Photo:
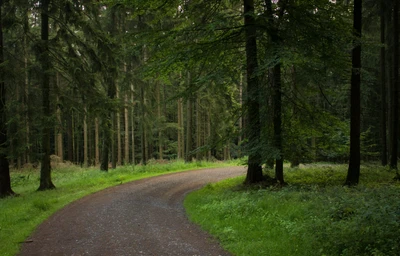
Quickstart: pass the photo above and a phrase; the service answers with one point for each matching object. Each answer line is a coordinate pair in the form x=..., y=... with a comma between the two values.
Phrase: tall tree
x=44, y=60
x=276, y=87
x=396, y=86
x=383, y=85
x=254, y=170
x=353, y=172
x=189, y=121
x=5, y=181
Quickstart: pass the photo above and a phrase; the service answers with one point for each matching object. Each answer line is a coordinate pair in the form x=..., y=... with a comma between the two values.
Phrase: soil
x=144, y=217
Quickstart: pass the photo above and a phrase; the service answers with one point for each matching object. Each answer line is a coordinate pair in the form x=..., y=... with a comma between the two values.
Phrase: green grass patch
x=20, y=215
x=314, y=215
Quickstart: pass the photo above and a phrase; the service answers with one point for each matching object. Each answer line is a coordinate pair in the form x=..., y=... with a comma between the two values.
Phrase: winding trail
x=144, y=217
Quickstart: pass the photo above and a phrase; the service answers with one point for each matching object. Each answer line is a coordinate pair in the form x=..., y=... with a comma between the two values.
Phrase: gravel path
x=144, y=217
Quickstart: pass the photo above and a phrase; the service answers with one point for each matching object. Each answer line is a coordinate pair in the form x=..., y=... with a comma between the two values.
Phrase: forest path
x=144, y=217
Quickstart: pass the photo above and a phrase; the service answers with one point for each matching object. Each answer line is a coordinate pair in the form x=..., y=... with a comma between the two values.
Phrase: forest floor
x=144, y=217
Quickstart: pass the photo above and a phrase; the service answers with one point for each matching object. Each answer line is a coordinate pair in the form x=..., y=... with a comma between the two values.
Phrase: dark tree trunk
x=70, y=138
x=143, y=139
x=277, y=93
x=5, y=181
x=278, y=123
x=389, y=78
x=254, y=171
x=108, y=119
x=395, y=92
x=189, y=130
x=45, y=170
x=189, y=123
x=106, y=126
x=353, y=172
x=383, y=88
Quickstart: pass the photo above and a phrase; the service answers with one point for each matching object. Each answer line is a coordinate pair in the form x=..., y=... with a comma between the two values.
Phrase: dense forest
x=114, y=82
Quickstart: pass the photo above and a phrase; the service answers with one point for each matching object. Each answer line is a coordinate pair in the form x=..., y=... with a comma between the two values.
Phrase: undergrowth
x=20, y=215
x=313, y=215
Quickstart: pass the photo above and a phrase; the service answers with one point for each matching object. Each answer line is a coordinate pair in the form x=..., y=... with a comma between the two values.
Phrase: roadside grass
x=314, y=215
x=20, y=215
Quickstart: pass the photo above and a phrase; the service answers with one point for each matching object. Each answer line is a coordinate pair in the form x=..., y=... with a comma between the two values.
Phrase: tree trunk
x=198, y=128
x=254, y=170
x=383, y=87
x=113, y=138
x=278, y=123
x=143, y=126
x=70, y=137
x=96, y=141
x=45, y=170
x=26, y=100
x=189, y=124
x=126, y=124
x=85, y=139
x=209, y=156
x=277, y=95
x=353, y=172
x=396, y=85
x=179, y=150
x=60, y=148
x=133, y=122
x=241, y=116
x=159, y=117
x=119, y=137
x=106, y=127
x=389, y=79
x=5, y=180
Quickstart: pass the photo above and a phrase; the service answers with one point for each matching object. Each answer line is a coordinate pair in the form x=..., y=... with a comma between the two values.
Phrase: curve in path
x=144, y=217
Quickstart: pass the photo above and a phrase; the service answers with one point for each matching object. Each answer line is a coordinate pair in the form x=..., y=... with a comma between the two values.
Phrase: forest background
x=121, y=82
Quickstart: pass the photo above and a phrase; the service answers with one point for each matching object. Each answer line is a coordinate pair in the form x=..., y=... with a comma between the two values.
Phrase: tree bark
x=353, y=172
x=278, y=123
x=60, y=147
x=209, y=155
x=85, y=138
x=70, y=137
x=119, y=137
x=26, y=98
x=383, y=87
x=113, y=138
x=5, y=180
x=198, y=128
x=143, y=126
x=159, y=117
x=96, y=141
x=106, y=127
x=133, y=122
x=45, y=170
x=396, y=85
x=277, y=94
x=126, y=127
x=254, y=170
x=179, y=150
x=189, y=123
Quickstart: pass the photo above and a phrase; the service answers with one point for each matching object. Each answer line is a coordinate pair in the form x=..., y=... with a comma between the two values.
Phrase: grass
x=314, y=215
x=19, y=216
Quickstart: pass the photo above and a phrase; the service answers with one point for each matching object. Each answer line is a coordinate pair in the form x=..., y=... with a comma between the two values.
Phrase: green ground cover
x=20, y=215
x=313, y=215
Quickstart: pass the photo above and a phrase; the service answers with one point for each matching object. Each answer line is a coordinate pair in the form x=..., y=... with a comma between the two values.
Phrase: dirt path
x=144, y=217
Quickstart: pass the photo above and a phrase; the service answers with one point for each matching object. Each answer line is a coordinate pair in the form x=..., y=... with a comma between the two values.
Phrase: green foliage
x=315, y=214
